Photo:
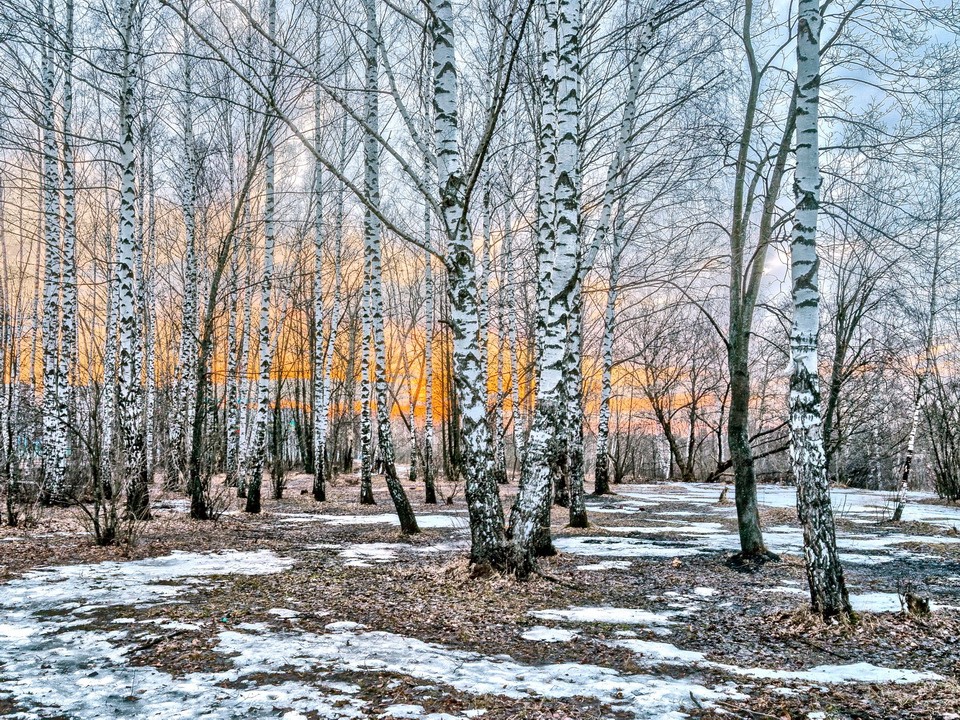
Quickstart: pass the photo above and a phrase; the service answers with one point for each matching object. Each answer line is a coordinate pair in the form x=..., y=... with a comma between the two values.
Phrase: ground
x=314, y=610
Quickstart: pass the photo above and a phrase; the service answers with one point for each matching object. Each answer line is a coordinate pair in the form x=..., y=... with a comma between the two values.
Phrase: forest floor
x=326, y=611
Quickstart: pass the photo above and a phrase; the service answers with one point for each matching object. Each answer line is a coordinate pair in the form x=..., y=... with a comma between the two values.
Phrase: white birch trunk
x=258, y=442
x=371, y=233
x=129, y=383
x=109, y=353
x=602, y=467
x=483, y=287
x=68, y=300
x=54, y=431
x=187, y=357
x=318, y=405
x=546, y=454
x=336, y=313
x=499, y=431
x=232, y=383
x=366, y=428
x=429, y=482
x=151, y=316
x=488, y=541
x=828, y=593
x=245, y=386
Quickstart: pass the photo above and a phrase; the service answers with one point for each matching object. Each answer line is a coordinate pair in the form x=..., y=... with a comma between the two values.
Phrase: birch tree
x=488, y=541
x=68, y=281
x=828, y=592
x=601, y=469
x=129, y=382
x=187, y=357
x=546, y=451
x=258, y=444
x=54, y=429
x=429, y=481
x=372, y=261
x=319, y=376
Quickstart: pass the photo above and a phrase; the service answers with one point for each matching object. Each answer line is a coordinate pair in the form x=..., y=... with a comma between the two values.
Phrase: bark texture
x=828, y=593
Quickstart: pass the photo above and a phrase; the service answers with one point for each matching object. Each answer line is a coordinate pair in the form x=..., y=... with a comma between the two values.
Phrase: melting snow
x=621, y=547
x=656, y=652
x=863, y=672
x=95, y=678
x=645, y=696
x=367, y=554
x=660, y=651
x=548, y=634
x=607, y=565
x=285, y=613
x=608, y=615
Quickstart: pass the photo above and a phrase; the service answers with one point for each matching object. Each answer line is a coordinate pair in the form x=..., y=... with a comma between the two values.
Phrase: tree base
x=751, y=562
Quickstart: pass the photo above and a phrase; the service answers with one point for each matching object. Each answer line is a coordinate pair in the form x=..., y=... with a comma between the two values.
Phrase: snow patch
x=645, y=696
x=606, y=565
x=607, y=615
x=620, y=547
x=542, y=633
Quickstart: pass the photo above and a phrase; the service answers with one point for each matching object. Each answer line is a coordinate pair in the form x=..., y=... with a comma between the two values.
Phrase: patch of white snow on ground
x=784, y=589
x=660, y=651
x=606, y=565
x=652, y=653
x=620, y=547
x=285, y=613
x=403, y=711
x=547, y=634
x=367, y=554
x=93, y=676
x=862, y=672
x=607, y=615
x=689, y=528
x=645, y=696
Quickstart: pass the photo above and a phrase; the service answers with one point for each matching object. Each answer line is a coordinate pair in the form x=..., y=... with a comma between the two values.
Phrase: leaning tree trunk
x=371, y=233
x=922, y=380
x=828, y=593
x=613, y=181
x=259, y=439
